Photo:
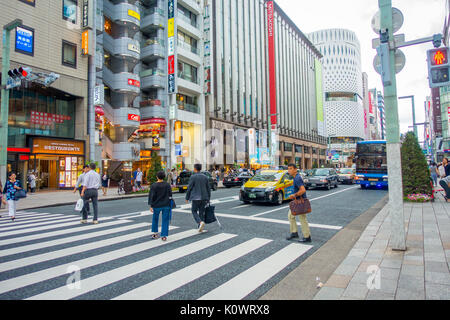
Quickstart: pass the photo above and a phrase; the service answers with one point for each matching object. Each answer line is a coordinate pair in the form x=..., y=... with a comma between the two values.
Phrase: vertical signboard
x=171, y=69
x=436, y=102
x=207, y=50
x=271, y=44
x=319, y=97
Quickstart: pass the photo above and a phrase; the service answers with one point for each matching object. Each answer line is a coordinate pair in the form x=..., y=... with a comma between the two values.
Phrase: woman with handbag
x=160, y=201
x=299, y=206
x=11, y=188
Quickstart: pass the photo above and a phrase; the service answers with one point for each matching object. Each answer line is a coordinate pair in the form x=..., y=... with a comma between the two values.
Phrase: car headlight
x=305, y=180
x=270, y=189
x=324, y=180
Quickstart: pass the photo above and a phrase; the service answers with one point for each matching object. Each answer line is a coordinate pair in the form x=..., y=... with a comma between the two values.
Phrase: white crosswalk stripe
x=124, y=249
x=7, y=221
x=44, y=221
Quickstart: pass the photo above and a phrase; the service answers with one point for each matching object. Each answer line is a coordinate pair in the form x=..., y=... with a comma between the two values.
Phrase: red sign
x=99, y=110
x=370, y=102
x=171, y=69
x=154, y=121
x=134, y=117
x=270, y=31
x=133, y=82
x=47, y=119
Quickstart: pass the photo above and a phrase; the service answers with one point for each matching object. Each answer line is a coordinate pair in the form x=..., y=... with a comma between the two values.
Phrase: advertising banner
x=319, y=97
x=271, y=44
x=436, y=102
x=25, y=40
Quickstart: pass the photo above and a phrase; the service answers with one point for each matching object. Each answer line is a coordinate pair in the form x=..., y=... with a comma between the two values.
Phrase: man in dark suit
x=199, y=193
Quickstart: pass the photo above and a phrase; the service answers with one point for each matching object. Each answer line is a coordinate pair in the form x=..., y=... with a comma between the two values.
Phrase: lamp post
x=5, y=96
x=413, y=113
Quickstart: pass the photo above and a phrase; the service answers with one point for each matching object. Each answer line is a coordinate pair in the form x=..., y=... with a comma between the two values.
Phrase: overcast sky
x=422, y=18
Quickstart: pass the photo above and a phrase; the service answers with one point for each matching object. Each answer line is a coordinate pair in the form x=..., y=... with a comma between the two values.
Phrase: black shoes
x=292, y=236
x=305, y=240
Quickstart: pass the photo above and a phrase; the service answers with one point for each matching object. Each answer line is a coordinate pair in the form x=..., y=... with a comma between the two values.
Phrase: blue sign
x=171, y=88
x=178, y=150
x=24, y=40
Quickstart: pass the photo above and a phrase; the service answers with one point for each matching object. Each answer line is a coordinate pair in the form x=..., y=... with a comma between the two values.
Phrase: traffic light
x=52, y=77
x=438, y=67
x=16, y=75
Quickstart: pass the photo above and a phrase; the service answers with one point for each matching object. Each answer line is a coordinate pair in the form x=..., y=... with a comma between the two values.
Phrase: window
x=187, y=72
x=24, y=40
x=287, y=146
x=69, y=54
x=30, y=2
x=70, y=10
x=298, y=148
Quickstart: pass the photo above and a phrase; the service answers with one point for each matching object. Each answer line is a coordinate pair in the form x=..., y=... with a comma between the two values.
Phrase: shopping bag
x=20, y=194
x=79, y=205
x=210, y=216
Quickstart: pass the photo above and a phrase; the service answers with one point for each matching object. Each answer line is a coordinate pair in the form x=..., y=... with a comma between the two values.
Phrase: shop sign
x=85, y=42
x=55, y=146
x=171, y=46
x=171, y=64
x=134, y=47
x=87, y=13
x=177, y=129
x=99, y=95
x=134, y=117
x=171, y=83
x=448, y=119
x=133, y=82
x=99, y=110
x=178, y=149
x=134, y=14
x=272, y=73
x=154, y=121
x=25, y=40
x=44, y=118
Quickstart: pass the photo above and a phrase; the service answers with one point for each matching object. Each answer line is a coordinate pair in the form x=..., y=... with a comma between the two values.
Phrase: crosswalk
x=46, y=256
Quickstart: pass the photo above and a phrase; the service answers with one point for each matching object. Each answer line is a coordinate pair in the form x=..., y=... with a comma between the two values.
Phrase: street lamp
x=5, y=96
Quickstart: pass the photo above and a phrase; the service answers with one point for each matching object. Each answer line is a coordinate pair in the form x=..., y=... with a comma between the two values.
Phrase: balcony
x=125, y=47
x=121, y=151
x=123, y=13
x=191, y=5
x=189, y=27
x=153, y=18
x=123, y=81
x=184, y=82
x=190, y=53
x=188, y=107
x=152, y=49
x=119, y=117
x=153, y=78
x=156, y=111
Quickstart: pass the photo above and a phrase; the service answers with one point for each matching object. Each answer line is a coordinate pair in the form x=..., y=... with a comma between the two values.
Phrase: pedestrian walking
x=32, y=182
x=91, y=184
x=105, y=183
x=139, y=175
x=1, y=195
x=159, y=198
x=174, y=176
x=299, y=191
x=11, y=187
x=217, y=175
x=434, y=173
x=444, y=182
x=79, y=187
x=199, y=193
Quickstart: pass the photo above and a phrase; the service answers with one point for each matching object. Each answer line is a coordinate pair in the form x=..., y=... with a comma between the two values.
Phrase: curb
x=301, y=283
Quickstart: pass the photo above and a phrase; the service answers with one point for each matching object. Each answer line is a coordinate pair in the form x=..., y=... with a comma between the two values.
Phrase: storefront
x=57, y=163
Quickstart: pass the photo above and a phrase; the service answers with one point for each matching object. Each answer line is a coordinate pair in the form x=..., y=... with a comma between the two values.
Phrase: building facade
x=47, y=125
x=263, y=87
x=343, y=89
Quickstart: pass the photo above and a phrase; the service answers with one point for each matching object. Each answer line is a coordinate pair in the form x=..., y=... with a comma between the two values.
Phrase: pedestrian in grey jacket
x=199, y=193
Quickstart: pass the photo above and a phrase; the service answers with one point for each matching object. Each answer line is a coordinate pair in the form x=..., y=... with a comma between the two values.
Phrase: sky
x=422, y=18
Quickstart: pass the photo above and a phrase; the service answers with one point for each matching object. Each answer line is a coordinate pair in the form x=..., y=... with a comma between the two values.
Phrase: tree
x=155, y=167
x=415, y=173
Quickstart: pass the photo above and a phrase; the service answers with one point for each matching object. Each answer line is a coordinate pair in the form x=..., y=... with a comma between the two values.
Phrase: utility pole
x=5, y=97
x=394, y=160
x=413, y=114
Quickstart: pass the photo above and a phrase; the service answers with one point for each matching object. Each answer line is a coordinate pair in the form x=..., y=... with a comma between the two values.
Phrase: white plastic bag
x=79, y=205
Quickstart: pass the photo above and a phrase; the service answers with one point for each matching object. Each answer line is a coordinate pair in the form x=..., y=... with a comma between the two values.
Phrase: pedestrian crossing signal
x=438, y=67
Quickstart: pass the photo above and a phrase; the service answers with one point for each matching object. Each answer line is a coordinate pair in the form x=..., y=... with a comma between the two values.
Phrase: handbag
x=20, y=194
x=209, y=214
x=300, y=206
x=79, y=205
x=173, y=205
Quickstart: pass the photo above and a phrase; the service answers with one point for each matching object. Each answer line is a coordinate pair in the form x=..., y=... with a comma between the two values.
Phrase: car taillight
x=236, y=179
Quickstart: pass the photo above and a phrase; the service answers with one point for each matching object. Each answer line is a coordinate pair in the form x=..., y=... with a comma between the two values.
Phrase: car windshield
x=267, y=177
x=185, y=174
x=346, y=171
x=320, y=172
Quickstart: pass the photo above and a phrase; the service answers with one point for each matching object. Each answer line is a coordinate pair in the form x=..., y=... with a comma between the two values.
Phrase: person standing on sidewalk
x=10, y=190
x=299, y=191
x=434, y=173
x=139, y=175
x=199, y=193
x=159, y=198
x=32, y=180
x=91, y=184
x=105, y=183
x=79, y=187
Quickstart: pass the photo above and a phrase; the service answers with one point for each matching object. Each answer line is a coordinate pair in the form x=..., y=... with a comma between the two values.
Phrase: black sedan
x=236, y=180
x=182, y=181
x=322, y=178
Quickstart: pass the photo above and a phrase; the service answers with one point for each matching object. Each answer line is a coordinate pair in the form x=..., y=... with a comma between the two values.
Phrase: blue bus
x=371, y=164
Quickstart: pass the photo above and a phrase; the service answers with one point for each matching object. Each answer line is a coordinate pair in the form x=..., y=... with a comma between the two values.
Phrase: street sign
x=397, y=21
x=399, y=39
x=399, y=62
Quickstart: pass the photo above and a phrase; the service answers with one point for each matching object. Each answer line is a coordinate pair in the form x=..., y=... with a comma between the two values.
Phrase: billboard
x=25, y=40
x=319, y=97
x=271, y=45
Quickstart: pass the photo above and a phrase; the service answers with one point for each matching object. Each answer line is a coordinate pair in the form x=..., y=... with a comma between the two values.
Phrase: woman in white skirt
x=10, y=190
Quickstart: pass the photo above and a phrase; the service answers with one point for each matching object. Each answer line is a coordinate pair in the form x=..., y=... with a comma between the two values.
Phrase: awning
x=154, y=121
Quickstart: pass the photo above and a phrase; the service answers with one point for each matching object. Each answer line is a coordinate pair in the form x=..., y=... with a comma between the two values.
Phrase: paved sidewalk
x=419, y=273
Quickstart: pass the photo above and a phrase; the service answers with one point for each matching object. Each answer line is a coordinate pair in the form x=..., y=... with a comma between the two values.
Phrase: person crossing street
x=91, y=184
x=199, y=193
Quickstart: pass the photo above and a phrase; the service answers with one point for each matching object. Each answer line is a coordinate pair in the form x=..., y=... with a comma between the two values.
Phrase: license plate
x=373, y=183
x=184, y=187
x=252, y=195
x=373, y=179
x=313, y=184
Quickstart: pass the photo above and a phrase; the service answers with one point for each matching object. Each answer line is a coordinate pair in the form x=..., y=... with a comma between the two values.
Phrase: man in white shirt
x=91, y=184
x=139, y=175
x=79, y=187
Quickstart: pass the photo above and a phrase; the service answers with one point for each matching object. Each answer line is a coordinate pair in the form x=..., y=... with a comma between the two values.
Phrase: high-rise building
x=47, y=125
x=343, y=89
x=263, y=73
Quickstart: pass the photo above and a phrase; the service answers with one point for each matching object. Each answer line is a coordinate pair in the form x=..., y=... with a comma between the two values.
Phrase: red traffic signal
x=438, y=56
x=19, y=72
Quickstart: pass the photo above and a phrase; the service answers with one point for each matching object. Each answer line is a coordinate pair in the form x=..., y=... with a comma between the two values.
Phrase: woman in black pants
x=159, y=199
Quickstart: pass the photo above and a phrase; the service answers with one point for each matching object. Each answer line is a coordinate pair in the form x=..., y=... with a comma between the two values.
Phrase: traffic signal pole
x=394, y=163
x=5, y=97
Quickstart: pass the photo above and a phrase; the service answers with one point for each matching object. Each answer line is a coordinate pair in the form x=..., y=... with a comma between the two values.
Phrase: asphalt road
x=48, y=254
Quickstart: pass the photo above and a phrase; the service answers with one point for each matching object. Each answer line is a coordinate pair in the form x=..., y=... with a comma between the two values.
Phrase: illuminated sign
x=171, y=88
x=25, y=40
x=133, y=82
x=85, y=42
x=85, y=13
x=439, y=57
x=134, y=14
x=134, y=117
x=177, y=129
x=53, y=146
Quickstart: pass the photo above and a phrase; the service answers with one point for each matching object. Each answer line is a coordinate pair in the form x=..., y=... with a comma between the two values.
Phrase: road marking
x=14, y=264
x=164, y=285
x=45, y=244
x=46, y=274
x=7, y=218
x=112, y=276
x=284, y=207
x=235, y=216
x=249, y=280
x=215, y=201
x=28, y=228
x=242, y=206
x=43, y=221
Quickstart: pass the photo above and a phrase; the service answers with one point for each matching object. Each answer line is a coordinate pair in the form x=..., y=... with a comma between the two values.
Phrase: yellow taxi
x=273, y=186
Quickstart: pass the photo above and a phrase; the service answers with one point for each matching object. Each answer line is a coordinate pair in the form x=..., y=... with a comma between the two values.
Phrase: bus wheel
x=363, y=186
